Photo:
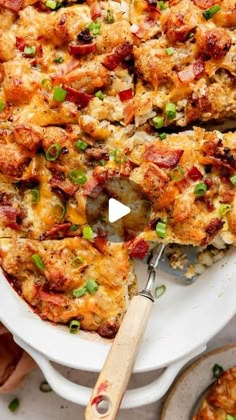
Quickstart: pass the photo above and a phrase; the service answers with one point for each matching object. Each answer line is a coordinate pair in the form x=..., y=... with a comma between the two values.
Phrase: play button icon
x=116, y=210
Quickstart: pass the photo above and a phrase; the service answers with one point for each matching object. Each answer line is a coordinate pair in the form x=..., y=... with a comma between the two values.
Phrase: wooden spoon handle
x=114, y=377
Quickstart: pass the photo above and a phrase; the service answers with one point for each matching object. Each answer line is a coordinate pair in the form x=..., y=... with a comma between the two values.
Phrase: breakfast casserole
x=86, y=89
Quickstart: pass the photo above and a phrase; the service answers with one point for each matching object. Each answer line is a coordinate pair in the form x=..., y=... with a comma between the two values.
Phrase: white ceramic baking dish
x=183, y=320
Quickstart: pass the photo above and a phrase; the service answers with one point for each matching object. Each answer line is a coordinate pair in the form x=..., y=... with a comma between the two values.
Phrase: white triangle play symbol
x=116, y=210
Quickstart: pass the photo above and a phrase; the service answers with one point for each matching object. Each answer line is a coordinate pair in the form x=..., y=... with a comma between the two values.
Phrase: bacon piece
x=95, y=10
x=81, y=99
x=205, y=4
x=9, y=216
x=162, y=157
x=214, y=226
x=138, y=248
x=51, y=298
x=125, y=95
x=194, y=174
x=100, y=244
x=198, y=67
x=175, y=28
x=192, y=72
x=13, y=5
x=119, y=53
x=57, y=231
x=108, y=330
x=82, y=49
x=97, y=153
x=20, y=43
x=63, y=184
x=129, y=112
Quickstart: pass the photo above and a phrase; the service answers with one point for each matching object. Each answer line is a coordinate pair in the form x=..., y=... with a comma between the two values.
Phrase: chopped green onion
x=209, y=13
x=59, y=211
x=161, y=229
x=51, y=4
x=170, y=51
x=200, y=189
x=91, y=286
x=217, y=371
x=81, y=145
x=35, y=195
x=162, y=136
x=224, y=209
x=53, y=152
x=74, y=326
x=95, y=28
x=100, y=95
x=74, y=228
x=158, y=122
x=45, y=387
x=233, y=180
x=58, y=60
x=118, y=156
x=79, y=292
x=170, y=110
x=102, y=162
x=14, y=404
x=110, y=17
x=78, y=176
x=177, y=174
x=47, y=84
x=191, y=35
x=229, y=417
x=38, y=261
x=59, y=94
x=162, y=5
x=160, y=290
x=30, y=50
x=87, y=233
x=77, y=261
x=2, y=106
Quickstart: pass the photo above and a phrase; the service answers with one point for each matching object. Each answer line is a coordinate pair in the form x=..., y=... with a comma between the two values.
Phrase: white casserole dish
x=183, y=320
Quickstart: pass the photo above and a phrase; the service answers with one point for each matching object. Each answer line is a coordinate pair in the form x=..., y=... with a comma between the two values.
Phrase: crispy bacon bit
x=192, y=72
x=204, y=4
x=162, y=157
x=13, y=5
x=97, y=153
x=82, y=49
x=100, y=244
x=194, y=174
x=125, y=95
x=175, y=28
x=214, y=226
x=129, y=113
x=63, y=184
x=81, y=99
x=57, y=231
x=10, y=216
x=51, y=298
x=119, y=53
x=138, y=248
x=108, y=329
x=198, y=67
x=20, y=43
x=95, y=10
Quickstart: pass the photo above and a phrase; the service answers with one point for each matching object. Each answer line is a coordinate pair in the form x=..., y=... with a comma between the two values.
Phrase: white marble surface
x=35, y=405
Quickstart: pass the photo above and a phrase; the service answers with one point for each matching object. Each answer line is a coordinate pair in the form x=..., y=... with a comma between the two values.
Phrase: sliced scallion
x=162, y=136
x=170, y=110
x=233, y=180
x=81, y=145
x=74, y=326
x=47, y=84
x=92, y=286
x=58, y=60
x=87, y=233
x=59, y=211
x=177, y=174
x=209, y=13
x=51, y=4
x=77, y=261
x=100, y=95
x=14, y=404
x=95, y=28
x=217, y=371
x=118, y=156
x=53, y=152
x=161, y=229
x=102, y=162
x=35, y=195
x=170, y=50
x=2, y=106
x=30, y=50
x=159, y=291
x=224, y=209
x=59, y=94
x=38, y=261
x=110, y=17
x=200, y=189
x=162, y=5
x=73, y=228
x=45, y=387
x=229, y=417
x=78, y=176
x=79, y=292
x=158, y=122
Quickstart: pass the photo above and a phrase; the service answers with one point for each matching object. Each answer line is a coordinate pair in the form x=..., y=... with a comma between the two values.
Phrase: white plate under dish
x=183, y=320
x=190, y=385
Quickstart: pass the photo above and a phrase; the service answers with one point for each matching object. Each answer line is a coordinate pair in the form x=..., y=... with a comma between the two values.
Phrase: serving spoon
x=114, y=377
